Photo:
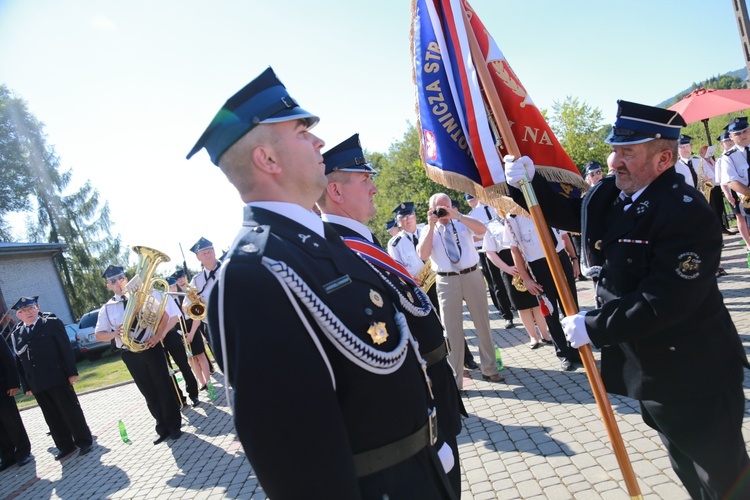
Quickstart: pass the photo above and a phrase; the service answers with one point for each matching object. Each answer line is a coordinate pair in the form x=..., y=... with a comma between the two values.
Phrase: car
x=91, y=348
x=72, y=331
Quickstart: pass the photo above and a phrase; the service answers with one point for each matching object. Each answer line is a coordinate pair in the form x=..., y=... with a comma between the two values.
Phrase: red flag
x=445, y=72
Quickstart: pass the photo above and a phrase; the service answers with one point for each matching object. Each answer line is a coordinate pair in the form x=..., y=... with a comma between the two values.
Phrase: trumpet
x=143, y=312
x=426, y=276
x=197, y=308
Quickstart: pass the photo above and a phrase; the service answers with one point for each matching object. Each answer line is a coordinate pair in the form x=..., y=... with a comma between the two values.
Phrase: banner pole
x=566, y=296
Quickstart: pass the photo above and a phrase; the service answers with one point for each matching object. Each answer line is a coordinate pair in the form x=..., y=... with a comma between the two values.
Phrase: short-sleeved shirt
x=112, y=313
x=493, y=238
x=522, y=234
x=734, y=166
x=402, y=248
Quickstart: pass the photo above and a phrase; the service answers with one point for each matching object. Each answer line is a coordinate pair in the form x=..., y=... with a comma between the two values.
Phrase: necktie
x=622, y=201
x=28, y=330
x=450, y=241
x=414, y=240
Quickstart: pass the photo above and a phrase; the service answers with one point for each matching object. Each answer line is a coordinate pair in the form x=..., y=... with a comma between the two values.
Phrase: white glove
x=517, y=170
x=575, y=330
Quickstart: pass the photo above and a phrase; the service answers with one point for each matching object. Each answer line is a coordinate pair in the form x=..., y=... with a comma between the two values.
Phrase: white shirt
x=439, y=258
x=112, y=313
x=684, y=169
x=522, y=234
x=480, y=213
x=350, y=223
x=295, y=212
x=734, y=166
x=493, y=238
x=402, y=249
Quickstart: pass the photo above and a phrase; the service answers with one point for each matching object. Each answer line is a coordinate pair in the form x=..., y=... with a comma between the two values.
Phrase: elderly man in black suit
x=48, y=371
x=665, y=335
x=14, y=441
x=350, y=415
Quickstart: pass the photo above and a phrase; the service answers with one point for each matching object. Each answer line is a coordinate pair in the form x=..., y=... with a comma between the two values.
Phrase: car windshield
x=89, y=320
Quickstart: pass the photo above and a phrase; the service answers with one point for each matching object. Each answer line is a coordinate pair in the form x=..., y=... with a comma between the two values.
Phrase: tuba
x=144, y=311
x=426, y=276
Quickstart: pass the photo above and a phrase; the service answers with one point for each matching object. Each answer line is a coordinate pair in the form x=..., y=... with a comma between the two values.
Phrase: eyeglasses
x=114, y=280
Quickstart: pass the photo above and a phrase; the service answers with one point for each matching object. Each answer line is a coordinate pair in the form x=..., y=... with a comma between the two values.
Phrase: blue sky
x=125, y=88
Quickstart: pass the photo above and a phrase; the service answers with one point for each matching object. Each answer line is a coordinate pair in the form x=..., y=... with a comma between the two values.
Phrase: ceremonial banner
x=460, y=144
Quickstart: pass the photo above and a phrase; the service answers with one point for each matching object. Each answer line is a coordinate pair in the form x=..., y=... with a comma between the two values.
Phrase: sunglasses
x=114, y=280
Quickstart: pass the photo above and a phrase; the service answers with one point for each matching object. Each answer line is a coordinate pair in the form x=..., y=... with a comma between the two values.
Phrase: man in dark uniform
x=347, y=177
x=148, y=367
x=14, y=441
x=48, y=371
x=349, y=415
x=665, y=335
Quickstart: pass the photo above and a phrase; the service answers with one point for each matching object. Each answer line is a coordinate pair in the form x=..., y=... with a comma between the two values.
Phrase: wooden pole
x=566, y=296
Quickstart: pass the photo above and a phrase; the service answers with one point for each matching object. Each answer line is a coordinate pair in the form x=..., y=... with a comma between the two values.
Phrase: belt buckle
x=432, y=424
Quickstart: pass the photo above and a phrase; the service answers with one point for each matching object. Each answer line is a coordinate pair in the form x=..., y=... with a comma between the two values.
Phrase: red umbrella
x=702, y=104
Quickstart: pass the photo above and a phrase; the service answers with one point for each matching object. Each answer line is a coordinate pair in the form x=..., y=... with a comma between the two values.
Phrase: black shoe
x=581, y=277
x=196, y=402
x=175, y=435
x=535, y=345
x=161, y=439
x=471, y=365
x=24, y=460
x=62, y=454
x=567, y=365
x=204, y=388
x=508, y=324
x=85, y=450
x=547, y=342
x=493, y=378
x=5, y=464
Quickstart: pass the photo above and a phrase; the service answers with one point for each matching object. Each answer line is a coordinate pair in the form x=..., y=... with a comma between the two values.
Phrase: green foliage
x=77, y=219
x=579, y=129
x=401, y=177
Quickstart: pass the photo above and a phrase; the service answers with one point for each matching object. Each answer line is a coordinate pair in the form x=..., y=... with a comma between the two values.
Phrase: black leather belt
x=370, y=462
x=436, y=355
x=462, y=271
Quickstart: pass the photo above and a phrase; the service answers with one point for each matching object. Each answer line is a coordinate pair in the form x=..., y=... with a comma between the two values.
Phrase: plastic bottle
x=748, y=260
x=499, y=358
x=211, y=391
x=123, y=433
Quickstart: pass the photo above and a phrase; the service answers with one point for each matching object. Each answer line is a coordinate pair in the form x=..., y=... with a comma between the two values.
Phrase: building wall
x=34, y=274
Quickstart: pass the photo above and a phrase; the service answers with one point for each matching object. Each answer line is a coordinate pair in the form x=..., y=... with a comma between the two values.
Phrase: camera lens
x=440, y=212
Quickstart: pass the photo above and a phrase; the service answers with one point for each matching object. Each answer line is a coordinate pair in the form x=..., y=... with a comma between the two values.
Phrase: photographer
x=449, y=244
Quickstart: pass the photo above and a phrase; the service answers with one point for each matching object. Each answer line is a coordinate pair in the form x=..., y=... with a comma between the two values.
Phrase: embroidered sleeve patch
x=688, y=265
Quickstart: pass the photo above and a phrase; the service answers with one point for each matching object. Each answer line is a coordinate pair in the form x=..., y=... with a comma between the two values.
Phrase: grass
x=106, y=371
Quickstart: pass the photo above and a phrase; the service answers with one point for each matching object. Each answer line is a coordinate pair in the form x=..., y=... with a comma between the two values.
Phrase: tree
x=402, y=177
x=579, y=129
x=77, y=219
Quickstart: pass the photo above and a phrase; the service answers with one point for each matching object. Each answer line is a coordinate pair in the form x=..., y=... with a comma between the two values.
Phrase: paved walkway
x=537, y=436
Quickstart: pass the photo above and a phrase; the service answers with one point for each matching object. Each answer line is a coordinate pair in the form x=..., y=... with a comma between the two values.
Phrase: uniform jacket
x=401, y=248
x=304, y=404
x=48, y=360
x=429, y=333
x=8, y=373
x=664, y=331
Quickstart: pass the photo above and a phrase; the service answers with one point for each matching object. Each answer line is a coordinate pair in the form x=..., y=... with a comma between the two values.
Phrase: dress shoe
x=567, y=365
x=471, y=365
x=24, y=460
x=161, y=439
x=547, y=342
x=493, y=378
x=62, y=454
x=175, y=435
x=196, y=402
x=7, y=463
x=508, y=324
x=85, y=450
x=535, y=345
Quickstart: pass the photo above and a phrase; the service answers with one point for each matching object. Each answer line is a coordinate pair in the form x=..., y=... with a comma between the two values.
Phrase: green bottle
x=211, y=391
x=499, y=358
x=123, y=433
x=748, y=260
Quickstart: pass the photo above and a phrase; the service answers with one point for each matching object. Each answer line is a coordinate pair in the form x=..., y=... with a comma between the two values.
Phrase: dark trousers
x=494, y=278
x=64, y=417
x=543, y=276
x=150, y=373
x=14, y=441
x=176, y=348
x=704, y=439
x=716, y=201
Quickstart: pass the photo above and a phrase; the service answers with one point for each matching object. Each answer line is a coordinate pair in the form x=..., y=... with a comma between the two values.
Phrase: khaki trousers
x=452, y=292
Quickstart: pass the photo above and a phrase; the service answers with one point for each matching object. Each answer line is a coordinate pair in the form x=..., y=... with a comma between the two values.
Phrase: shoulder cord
x=590, y=271
x=351, y=346
x=406, y=304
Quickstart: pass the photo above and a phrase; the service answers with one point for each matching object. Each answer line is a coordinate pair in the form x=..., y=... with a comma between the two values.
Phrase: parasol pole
x=708, y=134
x=566, y=296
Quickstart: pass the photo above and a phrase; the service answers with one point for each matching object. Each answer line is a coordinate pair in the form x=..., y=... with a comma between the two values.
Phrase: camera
x=440, y=212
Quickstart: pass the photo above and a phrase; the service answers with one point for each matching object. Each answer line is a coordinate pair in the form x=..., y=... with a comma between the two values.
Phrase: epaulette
x=252, y=242
x=395, y=241
x=731, y=150
x=47, y=315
